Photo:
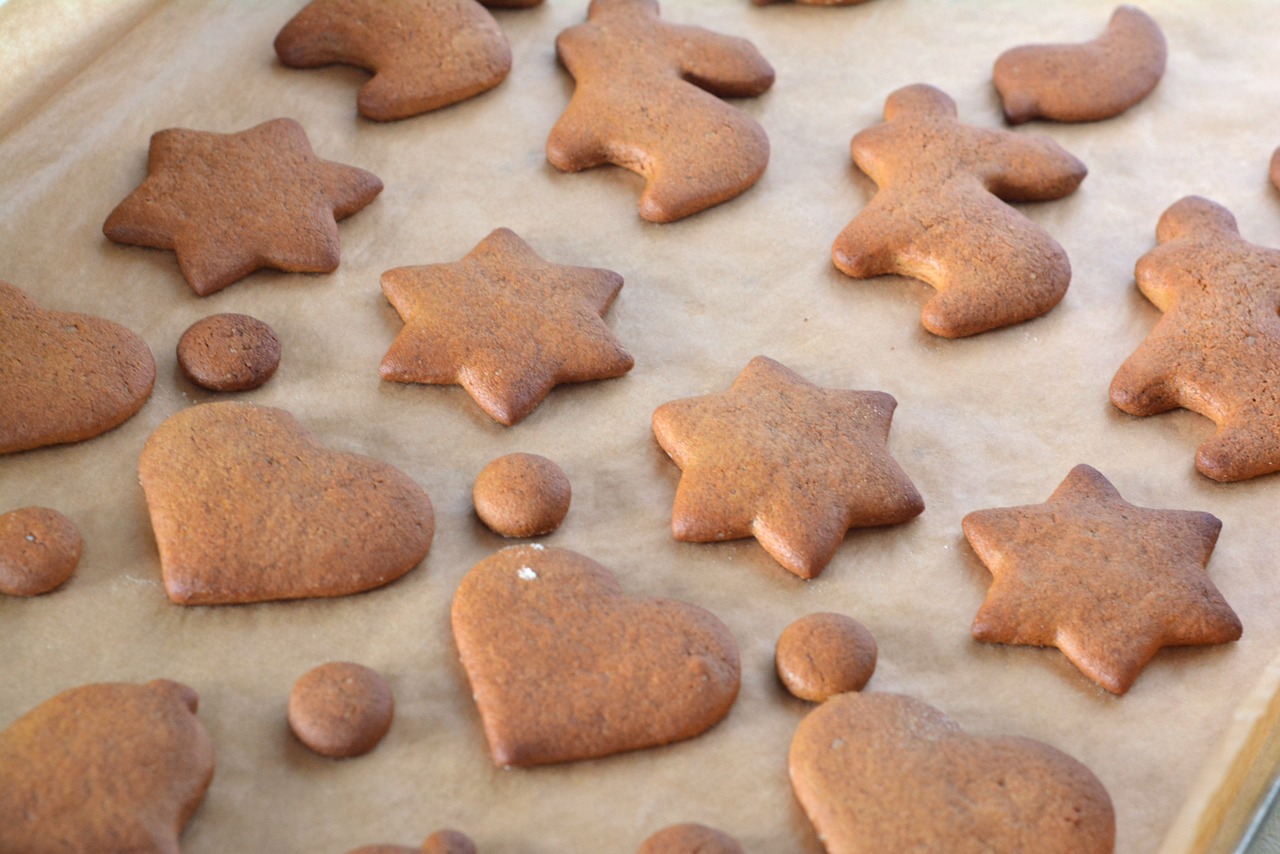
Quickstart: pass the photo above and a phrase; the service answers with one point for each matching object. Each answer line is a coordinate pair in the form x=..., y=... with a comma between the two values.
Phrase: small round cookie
x=821, y=655
x=341, y=709
x=440, y=842
x=39, y=549
x=522, y=495
x=689, y=839
x=229, y=352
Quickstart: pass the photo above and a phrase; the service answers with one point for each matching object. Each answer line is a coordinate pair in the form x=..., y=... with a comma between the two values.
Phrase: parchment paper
x=991, y=421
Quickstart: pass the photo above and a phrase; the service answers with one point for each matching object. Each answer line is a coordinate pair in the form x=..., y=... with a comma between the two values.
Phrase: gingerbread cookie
x=440, y=842
x=1216, y=348
x=689, y=839
x=65, y=377
x=522, y=495
x=230, y=204
x=1103, y=580
x=247, y=507
x=229, y=352
x=504, y=324
x=39, y=549
x=821, y=655
x=111, y=767
x=812, y=2
x=938, y=215
x=424, y=54
x=1084, y=82
x=648, y=99
x=341, y=709
x=785, y=461
x=882, y=772
x=564, y=665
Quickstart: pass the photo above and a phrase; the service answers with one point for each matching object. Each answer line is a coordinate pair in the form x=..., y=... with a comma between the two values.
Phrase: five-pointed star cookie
x=504, y=324
x=1216, y=348
x=424, y=54
x=785, y=461
x=1103, y=580
x=230, y=204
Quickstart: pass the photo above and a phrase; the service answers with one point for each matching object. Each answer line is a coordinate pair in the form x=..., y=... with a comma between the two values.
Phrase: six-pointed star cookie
x=785, y=461
x=230, y=204
x=425, y=54
x=1103, y=580
x=504, y=324
x=1216, y=348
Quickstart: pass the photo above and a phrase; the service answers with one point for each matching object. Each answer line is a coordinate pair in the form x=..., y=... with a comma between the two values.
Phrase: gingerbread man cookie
x=104, y=768
x=65, y=376
x=1103, y=580
x=785, y=461
x=938, y=215
x=648, y=99
x=424, y=54
x=230, y=204
x=1216, y=348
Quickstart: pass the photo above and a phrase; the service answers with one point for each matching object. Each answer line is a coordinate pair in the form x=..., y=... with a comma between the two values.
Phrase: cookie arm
x=725, y=66
x=1030, y=169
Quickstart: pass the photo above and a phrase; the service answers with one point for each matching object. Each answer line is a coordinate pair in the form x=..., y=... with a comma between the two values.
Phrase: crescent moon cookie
x=230, y=204
x=424, y=54
x=564, y=665
x=1216, y=348
x=877, y=773
x=787, y=462
x=648, y=99
x=108, y=767
x=504, y=324
x=1084, y=82
x=940, y=216
x=247, y=506
x=1103, y=580
x=65, y=376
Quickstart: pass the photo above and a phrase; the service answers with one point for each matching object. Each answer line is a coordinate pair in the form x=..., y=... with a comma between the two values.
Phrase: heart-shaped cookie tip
x=108, y=767
x=882, y=772
x=564, y=665
x=65, y=377
x=247, y=507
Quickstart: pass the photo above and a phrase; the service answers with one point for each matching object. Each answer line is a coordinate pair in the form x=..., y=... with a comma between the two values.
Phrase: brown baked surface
x=991, y=421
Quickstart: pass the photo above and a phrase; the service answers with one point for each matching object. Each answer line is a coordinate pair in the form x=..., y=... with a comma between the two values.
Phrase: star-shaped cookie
x=424, y=54
x=230, y=204
x=785, y=461
x=1103, y=580
x=1216, y=348
x=504, y=324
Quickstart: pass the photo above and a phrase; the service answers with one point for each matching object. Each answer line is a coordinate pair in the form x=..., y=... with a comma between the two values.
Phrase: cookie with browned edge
x=883, y=772
x=785, y=461
x=341, y=709
x=229, y=204
x=424, y=54
x=690, y=839
x=229, y=352
x=1105, y=581
x=440, y=842
x=505, y=324
x=522, y=495
x=108, y=767
x=1216, y=348
x=824, y=654
x=1084, y=82
x=247, y=506
x=564, y=665
x=940, y=214
x=39, y=549
x=647, y=98
x=64, y=376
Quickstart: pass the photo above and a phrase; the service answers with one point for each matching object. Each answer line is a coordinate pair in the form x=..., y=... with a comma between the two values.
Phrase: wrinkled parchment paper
x=996, y=420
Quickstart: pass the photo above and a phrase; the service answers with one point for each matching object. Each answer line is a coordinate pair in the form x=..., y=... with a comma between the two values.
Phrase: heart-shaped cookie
x=109, y=767
x=882, y=772
x=65, y=377
x=564, y=665
x=248, y=507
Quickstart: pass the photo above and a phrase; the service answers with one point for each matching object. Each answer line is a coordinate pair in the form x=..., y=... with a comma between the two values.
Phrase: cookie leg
x=1240, y=451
